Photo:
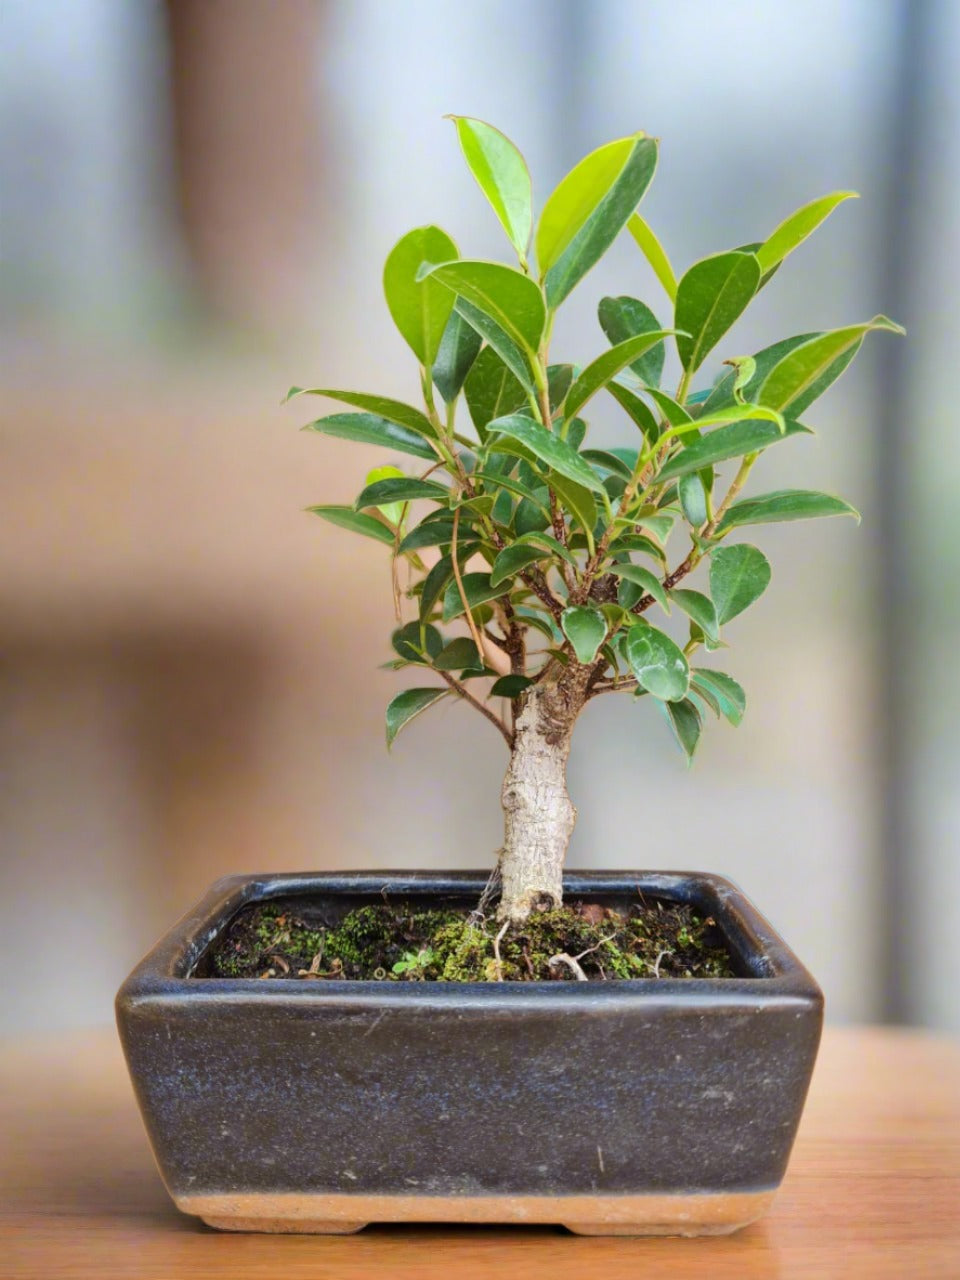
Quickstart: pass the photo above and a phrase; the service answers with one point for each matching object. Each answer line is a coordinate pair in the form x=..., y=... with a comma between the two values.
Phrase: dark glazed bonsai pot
x=651, y=1106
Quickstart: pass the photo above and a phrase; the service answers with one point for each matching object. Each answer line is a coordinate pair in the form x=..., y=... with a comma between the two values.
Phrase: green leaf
x=578, y=500
x=400, y=489
x=434, y=584
x=700, y=608
x=508, y=297
x=684, y=718
x=654, y=253
x=505, y=347
x=549, y=448
x=510, y=686
x=428, y=533
x=650, y=583
x=738, y=575
x=405, y=415
x=721, y=396
x=417, y=643
x=347, y=518
x=549, y=543
x=796, y=380
x=406, y=706
x=785, y=504
x=513, y=559
x=623, y=318
x=636, y=542
x=461, y=654
x=478, y=590
x=588, y=210
x=795, y=229
x=724, y=689
x=459, y=348
x=393, y=511
x=491, y=390
x=693, y=499
x=512, y=486
x=639, y=413
x=586, y=629
x=367, y=428
x=657, y=663
x=607, y=460
x=559, y=377
x=600, y=371
x=420, y=307
x=502, y=175
x=710, y=297
x=732, y=441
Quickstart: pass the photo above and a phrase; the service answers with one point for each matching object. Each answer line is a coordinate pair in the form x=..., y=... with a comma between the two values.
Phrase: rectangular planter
x=649, y=1106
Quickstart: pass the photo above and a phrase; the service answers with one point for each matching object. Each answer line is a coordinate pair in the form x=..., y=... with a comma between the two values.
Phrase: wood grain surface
x=873, y=1189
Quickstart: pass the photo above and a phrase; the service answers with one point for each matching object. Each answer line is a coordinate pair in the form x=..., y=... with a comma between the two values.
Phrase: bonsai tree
x=553, y=559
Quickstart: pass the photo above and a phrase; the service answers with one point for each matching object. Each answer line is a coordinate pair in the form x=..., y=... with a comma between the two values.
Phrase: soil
x=404, y=942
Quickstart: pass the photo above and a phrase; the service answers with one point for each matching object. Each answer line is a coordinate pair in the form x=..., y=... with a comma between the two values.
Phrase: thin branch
x=494, y=719
x=471, y=623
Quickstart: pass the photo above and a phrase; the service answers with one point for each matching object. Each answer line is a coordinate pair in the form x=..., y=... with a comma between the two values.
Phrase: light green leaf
x=347, y=518
x=420, y=307
x=509, y=298
x=491, y=390
x=393, y=511
x=795, y=229
x=510, y=686
x=693, y=499
x=654, y=253
x=732, y=441
x=738, y=575
x=600, y=371
x=549, y=448
x=512, y=356
x=400, y=489
x=459, y=348
x=588, y=210
x=657, y=663
x=785, y=504
x=650, y=583
x=502, y=175
x=710, y=297
x=795, y=381
x=623, y=318
x=700, y=608
x=513, y=559
x=478, y=590
x=406, y=706
x=724, y=689
x=586, y=629
x=684, y=718
x=405, y=415
x=722, y=396
x=367, y=428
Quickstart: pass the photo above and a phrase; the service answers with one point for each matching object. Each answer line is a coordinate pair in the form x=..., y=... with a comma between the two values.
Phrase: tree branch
x=461, y=692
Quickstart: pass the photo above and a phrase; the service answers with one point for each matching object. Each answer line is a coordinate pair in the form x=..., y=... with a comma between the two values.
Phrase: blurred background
x=198, y=197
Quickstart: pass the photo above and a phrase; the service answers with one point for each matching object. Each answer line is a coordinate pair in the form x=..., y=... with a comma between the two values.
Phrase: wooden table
x=873, y=1190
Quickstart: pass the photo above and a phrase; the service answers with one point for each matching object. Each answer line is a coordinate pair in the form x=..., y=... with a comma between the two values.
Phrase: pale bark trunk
x=538, y=814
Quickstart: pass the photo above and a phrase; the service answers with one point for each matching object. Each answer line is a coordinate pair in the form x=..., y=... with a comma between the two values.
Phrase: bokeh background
x=197, y=200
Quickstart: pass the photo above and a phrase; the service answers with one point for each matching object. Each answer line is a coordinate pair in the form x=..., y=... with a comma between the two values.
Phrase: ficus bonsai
x=553, y=557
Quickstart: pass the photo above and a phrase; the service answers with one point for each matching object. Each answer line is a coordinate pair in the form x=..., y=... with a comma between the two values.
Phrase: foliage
x=544, y=551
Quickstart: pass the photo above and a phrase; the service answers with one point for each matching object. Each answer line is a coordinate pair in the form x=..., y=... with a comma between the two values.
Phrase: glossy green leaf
x=417, y=643
x=512, y=486
x=404, y=415
x=589, y=209
x=785, y=504
x=693, y=499
x=478, y=590
x=684, y=719
x=559, y=378
x=508, y=297
x=512, y=356
x=578, y=500
x=429, y=533
x=513, y=559
x=795, y=381
x=420, y=307
x=434, y=584
x=586, y=629
x=510, y=686
x=710, y=297
x=795, y=229
x=549, y=448
x=459, y=348
x=722, y=395
x=393, y=511
x=739, y=575
x=732, y=441
x=674, y=413
x=654, y=253
x=502, y=175
x=400, y=489
x=607, y=460
x=699, y=608
x=637, y=542
x=637, y=410
x=491, y=390
x=549, y=543
x=650, y=583
x=657, y=663
x=600, y=371
x=724, y=689
x=622, y=318
x=347, y=518
x=460, y=654
x=406, y=706
x=367, y=428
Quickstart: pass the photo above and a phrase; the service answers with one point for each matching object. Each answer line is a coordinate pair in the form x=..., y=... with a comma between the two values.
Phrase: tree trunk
x=538, y=814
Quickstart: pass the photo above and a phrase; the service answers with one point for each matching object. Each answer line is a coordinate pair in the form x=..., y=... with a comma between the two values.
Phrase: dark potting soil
x=403, y=942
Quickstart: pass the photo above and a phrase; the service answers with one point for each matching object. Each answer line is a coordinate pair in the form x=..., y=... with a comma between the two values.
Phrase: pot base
x=697, y=1214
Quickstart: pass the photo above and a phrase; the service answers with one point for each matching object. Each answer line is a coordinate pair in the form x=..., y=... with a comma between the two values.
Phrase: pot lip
x=778, y=978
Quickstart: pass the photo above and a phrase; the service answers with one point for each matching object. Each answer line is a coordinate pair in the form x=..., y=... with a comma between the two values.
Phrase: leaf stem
x=462, y=692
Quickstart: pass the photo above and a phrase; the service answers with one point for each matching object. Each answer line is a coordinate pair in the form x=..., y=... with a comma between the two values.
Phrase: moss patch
x=404, y=943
